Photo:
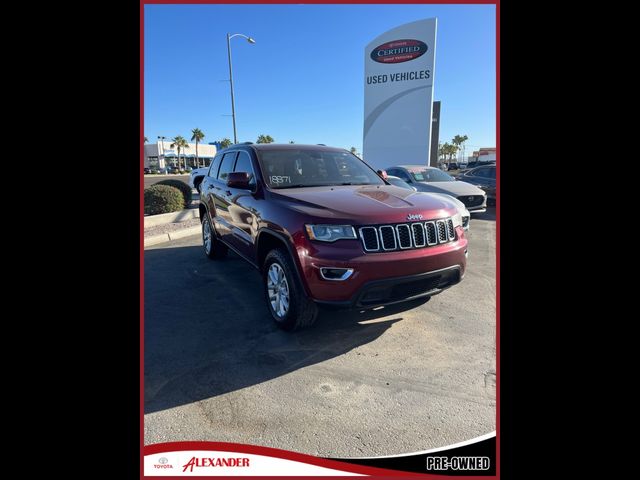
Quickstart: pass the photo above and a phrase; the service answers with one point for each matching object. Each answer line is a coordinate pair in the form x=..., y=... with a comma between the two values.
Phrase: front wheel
x=213, y=248
x=287, y=302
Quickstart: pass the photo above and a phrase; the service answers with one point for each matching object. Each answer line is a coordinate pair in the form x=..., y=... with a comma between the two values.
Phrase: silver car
x=434, y=180
x=464, y=213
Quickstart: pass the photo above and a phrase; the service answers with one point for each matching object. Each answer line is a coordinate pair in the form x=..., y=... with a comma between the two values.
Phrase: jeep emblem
x=414, y=216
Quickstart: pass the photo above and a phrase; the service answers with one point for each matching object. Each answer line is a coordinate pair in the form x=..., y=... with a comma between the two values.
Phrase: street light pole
x=233, y=103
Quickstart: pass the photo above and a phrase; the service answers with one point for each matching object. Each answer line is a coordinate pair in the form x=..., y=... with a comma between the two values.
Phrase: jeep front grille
x=403, y=236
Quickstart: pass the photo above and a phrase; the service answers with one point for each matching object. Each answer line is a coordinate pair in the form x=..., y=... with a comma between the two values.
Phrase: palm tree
x=179, y=142
x=197, y=136
x=146, y=140
x=458, y=140
x=265, y=139
x=224, y=143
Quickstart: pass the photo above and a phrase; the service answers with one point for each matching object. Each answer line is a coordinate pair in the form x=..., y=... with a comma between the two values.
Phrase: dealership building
x=160, y=155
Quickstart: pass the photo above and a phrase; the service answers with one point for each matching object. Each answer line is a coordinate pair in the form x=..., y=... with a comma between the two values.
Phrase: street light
x=233, y=105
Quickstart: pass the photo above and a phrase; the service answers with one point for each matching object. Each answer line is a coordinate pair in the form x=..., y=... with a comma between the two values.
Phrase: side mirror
x=239, y=180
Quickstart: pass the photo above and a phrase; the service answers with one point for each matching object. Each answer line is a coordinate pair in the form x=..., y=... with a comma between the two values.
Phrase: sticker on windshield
x=418, y=176
x=278, y=179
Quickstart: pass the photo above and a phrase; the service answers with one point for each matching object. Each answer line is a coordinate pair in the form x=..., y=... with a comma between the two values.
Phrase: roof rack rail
x=322, y=144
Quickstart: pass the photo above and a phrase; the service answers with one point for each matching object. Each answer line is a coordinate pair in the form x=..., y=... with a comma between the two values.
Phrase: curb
x=172, y=217
x=167, y=237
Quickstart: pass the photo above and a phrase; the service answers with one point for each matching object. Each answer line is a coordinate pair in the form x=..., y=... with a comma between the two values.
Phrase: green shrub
x=183, y=187
x=162, y=199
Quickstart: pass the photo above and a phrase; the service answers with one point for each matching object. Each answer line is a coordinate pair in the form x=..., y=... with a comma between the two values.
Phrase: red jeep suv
x=324, y=229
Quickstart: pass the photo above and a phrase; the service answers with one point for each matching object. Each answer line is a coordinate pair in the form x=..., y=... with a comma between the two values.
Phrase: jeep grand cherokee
x=324, y=229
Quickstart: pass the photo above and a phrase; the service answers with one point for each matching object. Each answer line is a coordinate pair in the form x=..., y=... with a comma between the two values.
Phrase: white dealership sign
x=398, y=95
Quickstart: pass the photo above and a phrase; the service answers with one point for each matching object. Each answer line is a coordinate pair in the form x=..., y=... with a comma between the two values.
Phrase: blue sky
x=303, y=79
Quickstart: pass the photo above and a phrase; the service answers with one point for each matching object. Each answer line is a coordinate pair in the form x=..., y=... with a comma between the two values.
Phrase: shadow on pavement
x=208, y=331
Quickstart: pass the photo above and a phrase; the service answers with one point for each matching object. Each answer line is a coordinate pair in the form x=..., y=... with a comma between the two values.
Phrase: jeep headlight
x=330, y=233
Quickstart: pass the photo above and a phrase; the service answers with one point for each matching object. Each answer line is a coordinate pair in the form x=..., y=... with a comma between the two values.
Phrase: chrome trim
x=424, y=235
x=446, y=232
x=364, y=243
x=393, y=232
x=348, y=272
x=410, y=236
x=451, y=232
x=426, y=231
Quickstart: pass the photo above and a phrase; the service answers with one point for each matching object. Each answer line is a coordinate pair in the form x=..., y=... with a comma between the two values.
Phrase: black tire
x=216, y=249
x=301, y=311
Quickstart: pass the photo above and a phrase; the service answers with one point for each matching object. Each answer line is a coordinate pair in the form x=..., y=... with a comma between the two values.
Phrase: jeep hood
x=366, y=204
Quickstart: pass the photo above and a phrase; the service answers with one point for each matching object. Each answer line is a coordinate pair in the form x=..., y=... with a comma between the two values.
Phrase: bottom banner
x=474, y=458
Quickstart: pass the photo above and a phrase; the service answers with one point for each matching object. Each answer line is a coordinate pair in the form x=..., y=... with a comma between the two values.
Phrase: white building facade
x=160, y=155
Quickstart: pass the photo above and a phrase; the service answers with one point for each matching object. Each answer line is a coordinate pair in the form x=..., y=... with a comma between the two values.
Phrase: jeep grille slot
x=369, y=236
x=430, y=227
x=450, y=230
x=404, y=236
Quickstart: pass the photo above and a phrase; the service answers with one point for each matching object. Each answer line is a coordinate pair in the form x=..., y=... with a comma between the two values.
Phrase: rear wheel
x=287, y=302
x=213, y=248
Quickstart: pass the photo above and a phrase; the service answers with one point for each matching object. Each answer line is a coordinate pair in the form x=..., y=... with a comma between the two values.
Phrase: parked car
x=324, y=229
x=196, y=176
x=398, y=182
x=466, y=216
x=147, y=170
x=453, y=166
x=485, y=178
x=434, y=180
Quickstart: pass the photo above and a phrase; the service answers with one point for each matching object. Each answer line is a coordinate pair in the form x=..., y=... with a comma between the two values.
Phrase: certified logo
x=414, y=216
x=398, y=51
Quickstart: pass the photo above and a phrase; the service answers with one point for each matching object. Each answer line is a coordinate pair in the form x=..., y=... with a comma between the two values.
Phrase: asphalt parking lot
x=397, y=380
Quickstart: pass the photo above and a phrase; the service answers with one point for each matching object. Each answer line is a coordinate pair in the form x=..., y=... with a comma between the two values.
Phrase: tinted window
x=215, y=165
x=227, y=166
x=398, y=182
x=243, y=164
x=402, y=174
x=492, y=173
x=294, y=168
x=430, y=175
x=482, y=172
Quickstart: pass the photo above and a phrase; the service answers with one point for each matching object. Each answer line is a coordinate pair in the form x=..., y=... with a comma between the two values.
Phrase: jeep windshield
x=314, y=168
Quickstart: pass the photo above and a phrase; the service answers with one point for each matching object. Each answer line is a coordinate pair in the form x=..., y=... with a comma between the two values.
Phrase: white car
x=462, y=210
x=196, y=176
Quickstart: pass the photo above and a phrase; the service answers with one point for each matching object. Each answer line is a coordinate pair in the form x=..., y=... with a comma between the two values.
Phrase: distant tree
x=146, y=140
x=179, y=143
x=197, y=136
x=224, y=143
x=291, y=141
x=265, y=139
x=459, y=140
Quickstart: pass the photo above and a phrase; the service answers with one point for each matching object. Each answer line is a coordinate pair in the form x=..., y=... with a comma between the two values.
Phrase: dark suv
x=324, y=229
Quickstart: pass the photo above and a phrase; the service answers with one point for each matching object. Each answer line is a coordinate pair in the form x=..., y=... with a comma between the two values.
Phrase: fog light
x=335, y=273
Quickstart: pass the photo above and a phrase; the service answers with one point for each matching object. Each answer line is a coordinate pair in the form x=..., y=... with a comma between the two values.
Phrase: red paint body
x=244, y=219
